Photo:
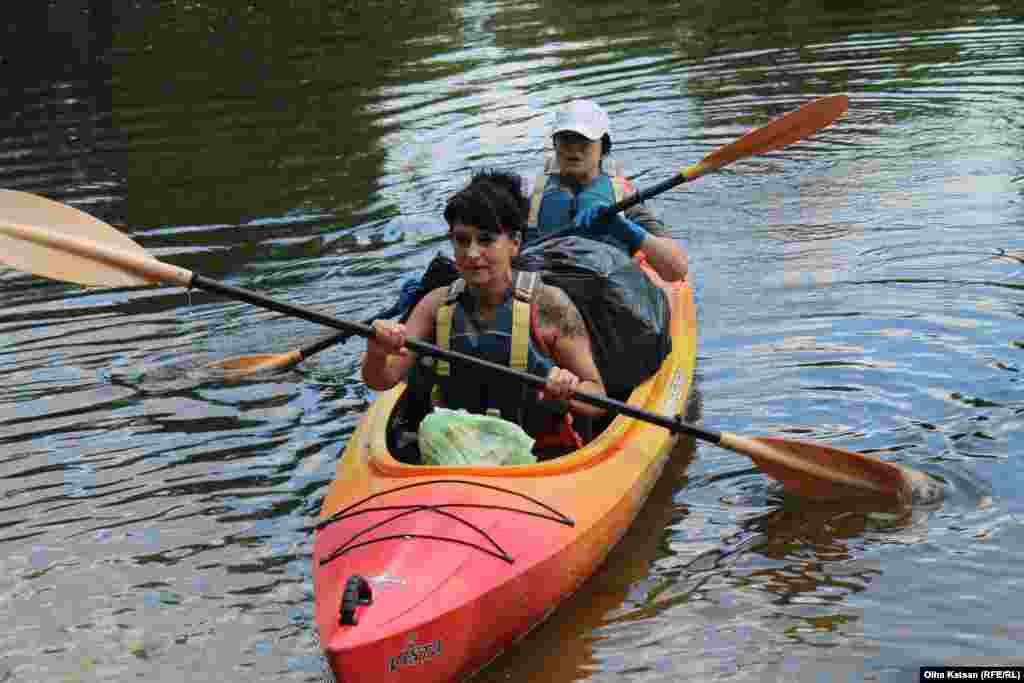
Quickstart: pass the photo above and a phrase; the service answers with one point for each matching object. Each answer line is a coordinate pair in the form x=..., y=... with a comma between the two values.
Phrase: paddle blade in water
x=263, y=362
x=22, y=208
x=820, y=472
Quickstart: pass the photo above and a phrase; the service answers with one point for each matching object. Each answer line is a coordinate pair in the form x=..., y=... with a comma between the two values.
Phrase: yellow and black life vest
x=508, y=341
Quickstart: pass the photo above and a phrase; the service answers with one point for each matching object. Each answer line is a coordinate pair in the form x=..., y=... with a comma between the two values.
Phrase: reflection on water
x=860, y=287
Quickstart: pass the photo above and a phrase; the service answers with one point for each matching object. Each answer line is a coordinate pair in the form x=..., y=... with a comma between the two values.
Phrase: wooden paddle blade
x=23, y=208
x=785, y=130
x=250, y=365
x=88, y=261
x=820, y=472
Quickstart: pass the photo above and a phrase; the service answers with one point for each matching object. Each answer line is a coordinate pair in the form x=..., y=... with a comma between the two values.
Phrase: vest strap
x=520, y=354
x=525, y=283
x=623, y=187
x=538, y=191
x=443, y=326
x=455, y=290
x=523, y=288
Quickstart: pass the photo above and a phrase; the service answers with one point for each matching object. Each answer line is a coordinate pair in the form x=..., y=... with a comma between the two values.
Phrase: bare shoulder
x=435, y=297
x=431, y=301
x=422, y=320
x=555, y=309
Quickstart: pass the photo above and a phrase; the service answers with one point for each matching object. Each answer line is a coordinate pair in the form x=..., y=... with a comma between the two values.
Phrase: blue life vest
x=506, y=342
x=555, y=203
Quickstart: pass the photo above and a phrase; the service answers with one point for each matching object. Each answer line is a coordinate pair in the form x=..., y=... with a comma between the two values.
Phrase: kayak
x=428, y=572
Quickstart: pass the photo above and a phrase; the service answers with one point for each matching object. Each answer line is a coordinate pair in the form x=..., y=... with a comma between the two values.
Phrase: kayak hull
x=456, y=563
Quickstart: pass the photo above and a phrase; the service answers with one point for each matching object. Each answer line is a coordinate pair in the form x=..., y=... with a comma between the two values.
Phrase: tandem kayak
x=427, y=573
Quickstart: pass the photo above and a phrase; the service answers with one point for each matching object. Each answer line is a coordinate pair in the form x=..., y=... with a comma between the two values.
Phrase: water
x=864, y=287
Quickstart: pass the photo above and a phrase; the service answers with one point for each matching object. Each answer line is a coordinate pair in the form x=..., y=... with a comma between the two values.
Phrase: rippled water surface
x=864, y=287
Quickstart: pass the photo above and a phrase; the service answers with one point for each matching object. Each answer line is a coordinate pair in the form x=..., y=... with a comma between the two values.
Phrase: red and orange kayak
x=427, y=573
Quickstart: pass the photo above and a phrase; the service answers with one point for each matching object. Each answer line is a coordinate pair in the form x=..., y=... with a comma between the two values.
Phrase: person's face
x=482, y=258
x=578, y=157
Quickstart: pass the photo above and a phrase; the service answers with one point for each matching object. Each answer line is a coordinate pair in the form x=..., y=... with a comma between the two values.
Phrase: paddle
x=805, y=468
x=440, y=272
x=780, y=132
x=241, y=366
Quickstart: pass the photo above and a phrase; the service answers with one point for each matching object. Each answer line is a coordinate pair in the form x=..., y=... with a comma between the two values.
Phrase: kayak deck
x=444, y=567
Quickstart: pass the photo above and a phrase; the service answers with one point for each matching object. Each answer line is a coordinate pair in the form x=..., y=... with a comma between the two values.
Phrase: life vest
x=511, y=340
x=555, y=203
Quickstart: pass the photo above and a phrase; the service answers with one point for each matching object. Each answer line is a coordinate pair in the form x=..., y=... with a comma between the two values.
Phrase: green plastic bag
x=458, y=437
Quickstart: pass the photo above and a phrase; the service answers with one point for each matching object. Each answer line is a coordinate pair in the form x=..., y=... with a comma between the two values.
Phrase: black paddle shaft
x=338, y=337
x=675, y=425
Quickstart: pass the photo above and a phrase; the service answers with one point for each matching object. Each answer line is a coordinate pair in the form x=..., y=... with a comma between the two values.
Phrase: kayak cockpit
x=407, y=414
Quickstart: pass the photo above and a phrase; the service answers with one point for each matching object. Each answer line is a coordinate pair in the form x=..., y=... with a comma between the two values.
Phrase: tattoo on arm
x=556, y=309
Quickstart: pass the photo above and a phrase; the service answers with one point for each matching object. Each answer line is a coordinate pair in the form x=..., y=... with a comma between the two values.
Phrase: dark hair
x=493, y=201
x=606, y=144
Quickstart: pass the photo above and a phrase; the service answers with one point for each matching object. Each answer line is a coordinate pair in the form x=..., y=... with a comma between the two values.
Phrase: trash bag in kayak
x=627, y=315
x=458, y=437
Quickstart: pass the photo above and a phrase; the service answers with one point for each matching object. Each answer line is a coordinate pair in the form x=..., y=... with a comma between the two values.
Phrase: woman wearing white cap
x=576, y=186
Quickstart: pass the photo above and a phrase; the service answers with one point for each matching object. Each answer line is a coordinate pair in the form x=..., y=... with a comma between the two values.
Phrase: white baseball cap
x=584, y=117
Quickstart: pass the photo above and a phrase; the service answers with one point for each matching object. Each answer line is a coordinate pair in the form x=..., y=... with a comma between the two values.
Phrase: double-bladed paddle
x=778, y=133
x=87, y=251
x=242, y=366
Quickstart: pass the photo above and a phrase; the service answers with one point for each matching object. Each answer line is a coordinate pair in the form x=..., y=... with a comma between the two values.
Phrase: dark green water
x=864, y=287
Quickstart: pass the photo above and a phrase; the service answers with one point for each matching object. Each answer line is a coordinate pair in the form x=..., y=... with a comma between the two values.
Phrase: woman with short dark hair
x=494, y=313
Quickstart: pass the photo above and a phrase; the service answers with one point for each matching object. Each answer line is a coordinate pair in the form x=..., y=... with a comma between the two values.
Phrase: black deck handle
x=357, y=592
